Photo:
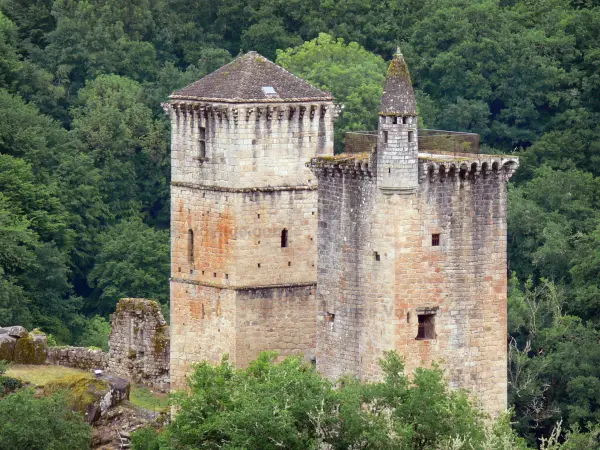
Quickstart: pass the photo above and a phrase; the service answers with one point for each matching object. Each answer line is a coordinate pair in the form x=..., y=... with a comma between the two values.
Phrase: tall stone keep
x=412, y=251
x=244, y=213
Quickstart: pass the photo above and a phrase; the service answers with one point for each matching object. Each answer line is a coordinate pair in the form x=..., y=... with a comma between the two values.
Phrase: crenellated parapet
x=358, y=165
x=436, y=168
x=190, y=110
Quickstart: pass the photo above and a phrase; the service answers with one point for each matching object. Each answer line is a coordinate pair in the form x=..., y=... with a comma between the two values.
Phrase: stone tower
x=397, y=154
x=412, y=251
x=244, y=213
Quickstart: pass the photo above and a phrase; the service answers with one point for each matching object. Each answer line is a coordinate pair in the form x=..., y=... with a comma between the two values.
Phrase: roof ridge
x=245, y=78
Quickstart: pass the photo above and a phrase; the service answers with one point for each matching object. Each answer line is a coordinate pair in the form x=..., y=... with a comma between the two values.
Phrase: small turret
x=397, y=149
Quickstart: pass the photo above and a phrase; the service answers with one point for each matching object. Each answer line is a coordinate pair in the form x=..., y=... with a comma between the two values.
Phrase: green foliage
x=145, y=439
x=133, y=261
x=352, y=74
x=84, y=165
x=95, y=333
x=289, y=405
x=41, y=423
x=3, y=367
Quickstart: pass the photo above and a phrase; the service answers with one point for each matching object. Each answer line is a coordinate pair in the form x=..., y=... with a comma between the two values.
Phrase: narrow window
x=190, y=246
x=435, y=240
x=284, y=238
x=289, y=263
x=377, y=256
x=426, y=326
x=404, y=120
x=202, y=139
x=407, y=317
x=395, y=120
x=259, y=265
x=411, y=136
x=385, y=137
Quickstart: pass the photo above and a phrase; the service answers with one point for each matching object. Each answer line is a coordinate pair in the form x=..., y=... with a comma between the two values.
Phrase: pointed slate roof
x=251, y=78
x=398, y=97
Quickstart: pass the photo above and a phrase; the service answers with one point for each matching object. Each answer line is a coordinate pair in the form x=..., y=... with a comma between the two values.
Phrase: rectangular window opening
x=426, y=326
x=330, y=317
x=395, y=120
x=377, y=256
x=385, y=137
x=289, y=263
x=404, y=120
x=435, y=240
x=202, y=139
x=411, y=136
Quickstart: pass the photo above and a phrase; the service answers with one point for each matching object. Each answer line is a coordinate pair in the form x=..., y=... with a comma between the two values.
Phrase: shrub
x=28, y=422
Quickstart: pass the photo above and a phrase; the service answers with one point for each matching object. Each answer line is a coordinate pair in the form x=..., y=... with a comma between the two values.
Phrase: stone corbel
x=302, y=111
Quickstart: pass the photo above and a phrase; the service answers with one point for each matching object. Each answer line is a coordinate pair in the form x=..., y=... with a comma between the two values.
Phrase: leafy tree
x=133, y=261
x=352, y=74
x=126, y=144
x=95, y=333
x=289, y=405
x=37, y=423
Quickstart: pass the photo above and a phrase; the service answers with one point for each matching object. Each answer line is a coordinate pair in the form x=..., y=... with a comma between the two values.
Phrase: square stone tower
x=412, y=251
x=244, y=213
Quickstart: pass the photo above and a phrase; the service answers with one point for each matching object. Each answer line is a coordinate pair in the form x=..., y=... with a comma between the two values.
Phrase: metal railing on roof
x=430, y=141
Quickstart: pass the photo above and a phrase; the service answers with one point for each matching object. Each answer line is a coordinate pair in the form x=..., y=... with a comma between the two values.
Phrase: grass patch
x=41, y=375
x=145, y=398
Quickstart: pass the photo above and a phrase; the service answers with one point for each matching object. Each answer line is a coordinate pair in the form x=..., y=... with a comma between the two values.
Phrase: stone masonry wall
x=280, y=319
x=78, y=357
x=139, y=342
x=248, y=145
x=234, y=287
x=380, y=271
x=203, y=327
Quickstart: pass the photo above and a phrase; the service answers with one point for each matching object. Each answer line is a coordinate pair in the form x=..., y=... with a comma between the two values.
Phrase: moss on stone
x=161, y=339
x=27, y=351
x=84, y=390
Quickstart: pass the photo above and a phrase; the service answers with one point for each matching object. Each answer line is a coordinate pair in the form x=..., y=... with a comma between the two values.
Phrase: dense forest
x=84, y=150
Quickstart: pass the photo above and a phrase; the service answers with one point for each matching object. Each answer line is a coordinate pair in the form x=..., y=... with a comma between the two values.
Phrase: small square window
x=330, y=317
x=426, y=326
x=435, y=240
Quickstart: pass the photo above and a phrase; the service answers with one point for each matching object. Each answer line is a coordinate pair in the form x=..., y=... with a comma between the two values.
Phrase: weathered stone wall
x=139, y=342
x=78, y=357
x=378, y=271
x=248, y=145
x=280, y=319
x=22, y=347
x=229, y=210
x=202, y=327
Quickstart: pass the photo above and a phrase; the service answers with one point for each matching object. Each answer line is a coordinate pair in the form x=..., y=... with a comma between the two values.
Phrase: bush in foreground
x=289, y=405
x=48, y=423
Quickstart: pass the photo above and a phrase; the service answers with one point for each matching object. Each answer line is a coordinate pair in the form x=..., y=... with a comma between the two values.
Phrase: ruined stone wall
x=378, y=271
x=78, y=357
x=139, y=342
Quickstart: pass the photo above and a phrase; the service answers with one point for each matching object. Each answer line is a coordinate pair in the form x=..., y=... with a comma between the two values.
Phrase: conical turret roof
x=398, y=96
x=251, y=78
